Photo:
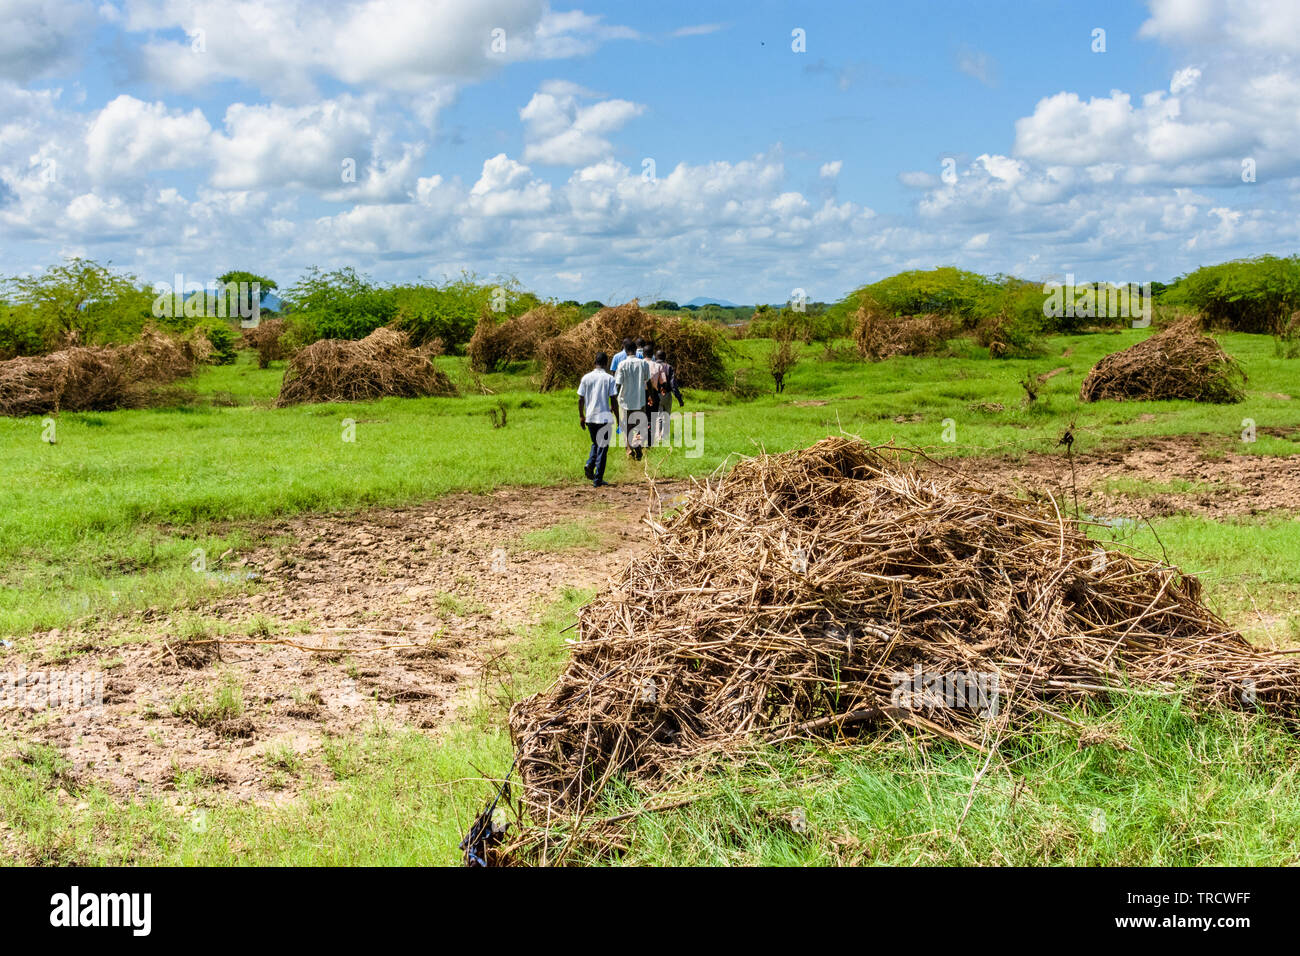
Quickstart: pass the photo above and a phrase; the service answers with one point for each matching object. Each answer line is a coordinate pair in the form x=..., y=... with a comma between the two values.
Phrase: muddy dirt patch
x=388, y=615
x=1156, y=477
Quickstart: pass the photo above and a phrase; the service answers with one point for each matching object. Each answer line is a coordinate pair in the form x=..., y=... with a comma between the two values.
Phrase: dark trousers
x=636, y=425
x=652, y=415
x=599, y=448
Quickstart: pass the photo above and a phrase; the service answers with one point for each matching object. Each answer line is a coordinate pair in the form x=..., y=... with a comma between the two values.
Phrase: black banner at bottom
x=331, y=906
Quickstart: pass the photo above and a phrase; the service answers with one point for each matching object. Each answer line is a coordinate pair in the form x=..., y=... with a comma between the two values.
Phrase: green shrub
x=342, y=304
x=1085, y=305
x=1244, y=295
x=451, y=311
x=24, y=332
x=965, y=297
x=815, y=324
x=223, y=337
x=78, y=301
x=1018, y=305
x=297, y=334
x=1010, y=334
x=1005, y=313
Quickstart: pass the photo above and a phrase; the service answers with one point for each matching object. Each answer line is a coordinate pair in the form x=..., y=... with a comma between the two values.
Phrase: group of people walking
x=632, y=395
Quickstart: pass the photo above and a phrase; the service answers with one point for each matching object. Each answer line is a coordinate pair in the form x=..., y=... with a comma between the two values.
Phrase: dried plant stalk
x=1180, y=362
x=381, y=365
x=798, y=593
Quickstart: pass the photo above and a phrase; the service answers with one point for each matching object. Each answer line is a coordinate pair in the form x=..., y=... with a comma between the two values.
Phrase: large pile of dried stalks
x=1180, y=362
x=381, y=365
x=695, y=348
x=494, y=343
x=880, y=336
x=99, y=378
x=837, y=587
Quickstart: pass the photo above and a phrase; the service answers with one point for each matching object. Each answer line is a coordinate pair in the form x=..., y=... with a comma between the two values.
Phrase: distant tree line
x=80, y=301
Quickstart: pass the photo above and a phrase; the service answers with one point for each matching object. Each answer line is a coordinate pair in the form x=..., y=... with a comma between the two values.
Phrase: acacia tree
x=81, y=299
x=249, y=279
x=342, y=304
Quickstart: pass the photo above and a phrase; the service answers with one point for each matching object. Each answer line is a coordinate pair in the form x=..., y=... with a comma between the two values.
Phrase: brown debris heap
x=99, y=378
x=881, y=336
x=695, y=348
x=495, y=344
x=265, y=338
x=835, y=586
x=1180, y=362
x=381, y=365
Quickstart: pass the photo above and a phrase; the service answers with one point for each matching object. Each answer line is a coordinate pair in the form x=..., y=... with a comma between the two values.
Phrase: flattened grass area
x=135, y=509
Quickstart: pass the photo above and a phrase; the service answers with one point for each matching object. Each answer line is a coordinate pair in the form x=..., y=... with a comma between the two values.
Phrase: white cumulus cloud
x=561, y=129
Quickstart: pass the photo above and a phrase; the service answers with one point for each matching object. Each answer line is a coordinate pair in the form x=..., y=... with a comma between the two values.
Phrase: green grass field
x=107, y=518
x=106, y=521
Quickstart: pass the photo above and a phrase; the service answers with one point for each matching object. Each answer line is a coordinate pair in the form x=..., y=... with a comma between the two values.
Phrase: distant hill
x=701, y=300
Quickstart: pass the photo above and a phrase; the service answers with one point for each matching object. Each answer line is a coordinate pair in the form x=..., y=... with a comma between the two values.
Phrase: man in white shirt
x=632, y=377
x=598, y=414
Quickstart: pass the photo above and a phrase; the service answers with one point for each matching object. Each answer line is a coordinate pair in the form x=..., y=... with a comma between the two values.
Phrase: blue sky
x=194, y=137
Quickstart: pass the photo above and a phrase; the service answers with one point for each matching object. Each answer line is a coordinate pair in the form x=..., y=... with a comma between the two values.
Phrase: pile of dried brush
x=381, y=365
x=994, y=332
x=157, y=358
x=1180, y=362
x=696, y=349
x=880, y=336
x=835, y=586
x=99, y=378
x=494, y=344
x=265, y=338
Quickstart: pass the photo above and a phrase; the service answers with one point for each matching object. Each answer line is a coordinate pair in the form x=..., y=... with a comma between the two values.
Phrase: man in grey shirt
x=632, y=377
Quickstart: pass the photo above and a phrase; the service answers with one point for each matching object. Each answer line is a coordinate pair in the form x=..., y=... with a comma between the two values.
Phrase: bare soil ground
x=450, y=577
x=419, y=601
x=1206, y=475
